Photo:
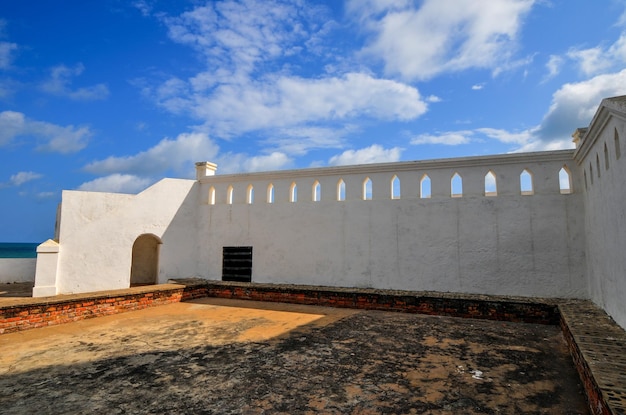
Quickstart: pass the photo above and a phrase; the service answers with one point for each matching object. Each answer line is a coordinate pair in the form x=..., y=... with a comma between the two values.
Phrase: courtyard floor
x=244, y=357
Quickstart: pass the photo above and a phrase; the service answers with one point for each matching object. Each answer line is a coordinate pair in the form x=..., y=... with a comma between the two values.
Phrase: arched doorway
x=144, y=268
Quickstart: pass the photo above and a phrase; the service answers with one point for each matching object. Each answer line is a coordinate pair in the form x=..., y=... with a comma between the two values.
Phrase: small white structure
x=547, y=224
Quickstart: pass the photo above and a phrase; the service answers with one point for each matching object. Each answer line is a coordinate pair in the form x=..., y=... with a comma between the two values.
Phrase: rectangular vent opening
x=237, y=263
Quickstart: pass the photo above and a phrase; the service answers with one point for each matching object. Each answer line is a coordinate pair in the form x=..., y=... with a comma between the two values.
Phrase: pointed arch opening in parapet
x=598, y=165
x=456, y=185
x=367, y=189
x=250, y=194
x=491, y=185
x=317, y=191
x=425, y=190
x=293, y=192
x=341, y=190
x=618, y=150
x=395, y=187
x=565, y=180
x=526, y=185
x=270, y=193
x=229, y=195
x=144, y=267
x=212, y=195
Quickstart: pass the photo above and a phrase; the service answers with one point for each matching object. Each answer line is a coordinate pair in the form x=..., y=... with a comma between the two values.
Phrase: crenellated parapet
x=524, y=174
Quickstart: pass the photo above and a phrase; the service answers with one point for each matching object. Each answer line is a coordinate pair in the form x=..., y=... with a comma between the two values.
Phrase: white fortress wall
x=602, y=158
x=97, y=232
x=17, y=270
x=509, y=243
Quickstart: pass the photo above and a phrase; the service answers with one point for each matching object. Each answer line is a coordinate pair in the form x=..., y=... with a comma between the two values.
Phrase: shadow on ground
x=365, y=362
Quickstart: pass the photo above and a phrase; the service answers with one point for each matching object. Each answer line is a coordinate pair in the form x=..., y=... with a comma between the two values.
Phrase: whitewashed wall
x=17, y=270
x=605, y=206
x=97, y=232
x=513, y=244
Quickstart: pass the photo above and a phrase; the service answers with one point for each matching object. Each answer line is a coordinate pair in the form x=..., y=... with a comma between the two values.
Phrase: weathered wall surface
x=509, y=244
x=605, y=207
x=17, y=269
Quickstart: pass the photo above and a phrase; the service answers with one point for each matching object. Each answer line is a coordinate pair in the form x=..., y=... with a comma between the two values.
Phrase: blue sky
x=113, y=95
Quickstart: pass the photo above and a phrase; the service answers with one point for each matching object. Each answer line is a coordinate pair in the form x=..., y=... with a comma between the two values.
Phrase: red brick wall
x=59, y=311
x=465, y=306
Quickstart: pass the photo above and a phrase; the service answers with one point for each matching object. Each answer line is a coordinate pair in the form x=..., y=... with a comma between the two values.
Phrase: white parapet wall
x=601, y=155
x=407, y=225
x=380, y=226
x=17, y=270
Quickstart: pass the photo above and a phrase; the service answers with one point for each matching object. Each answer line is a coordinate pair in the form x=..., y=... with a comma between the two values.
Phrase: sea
x=18, y=250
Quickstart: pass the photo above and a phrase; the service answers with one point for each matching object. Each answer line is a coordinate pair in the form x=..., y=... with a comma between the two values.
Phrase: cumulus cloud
x=292, y=101
x=237, y=35
x=178, y=154
x=573, y=105
x=419, y=40
x=144, y=8
x=117, y=183
x=554, y=65
x=242, y=163
x=7, y=50
x=599, y=59
x=372, y=154
x=51, y=137
x=451, y=138
x=300, y=140
x=22, y=177
x=60, y=81
x=128, y=174
x=250, y=88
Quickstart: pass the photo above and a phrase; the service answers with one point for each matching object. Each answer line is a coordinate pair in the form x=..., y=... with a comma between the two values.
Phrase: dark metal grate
x=237, y=263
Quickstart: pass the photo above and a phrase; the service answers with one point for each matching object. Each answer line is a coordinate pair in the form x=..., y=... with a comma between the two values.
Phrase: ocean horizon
x=18, y=249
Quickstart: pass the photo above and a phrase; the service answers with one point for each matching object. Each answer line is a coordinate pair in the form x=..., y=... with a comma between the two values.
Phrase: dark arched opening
x=145, y=261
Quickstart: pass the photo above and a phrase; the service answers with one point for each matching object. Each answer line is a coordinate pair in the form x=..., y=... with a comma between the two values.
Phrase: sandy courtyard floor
x=215, y=356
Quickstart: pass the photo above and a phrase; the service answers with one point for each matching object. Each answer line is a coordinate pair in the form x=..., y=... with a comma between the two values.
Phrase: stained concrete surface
x=214, y=356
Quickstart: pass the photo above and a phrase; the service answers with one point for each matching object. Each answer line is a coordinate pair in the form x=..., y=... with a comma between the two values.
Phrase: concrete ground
x=242, y=357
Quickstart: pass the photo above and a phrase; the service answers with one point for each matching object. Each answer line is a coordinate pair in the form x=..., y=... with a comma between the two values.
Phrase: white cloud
x=372, y=154
x=478, y=87
x=554, y=65
x=238, y=163
x=451, y=138
x=12, y=124
x=52, y=137
x=574, y=104
x=250, y=88
x=6, y=54
x=179, y=155
x=433, y=99
x=508, y=137
x=60, y=82
x=420, y=40
x=144, y=8
x=22, y=177
x=45, y=195
x=598, y=59
x=236, y=35
x=300, y=140
x=293, y=101
x=117, y=183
